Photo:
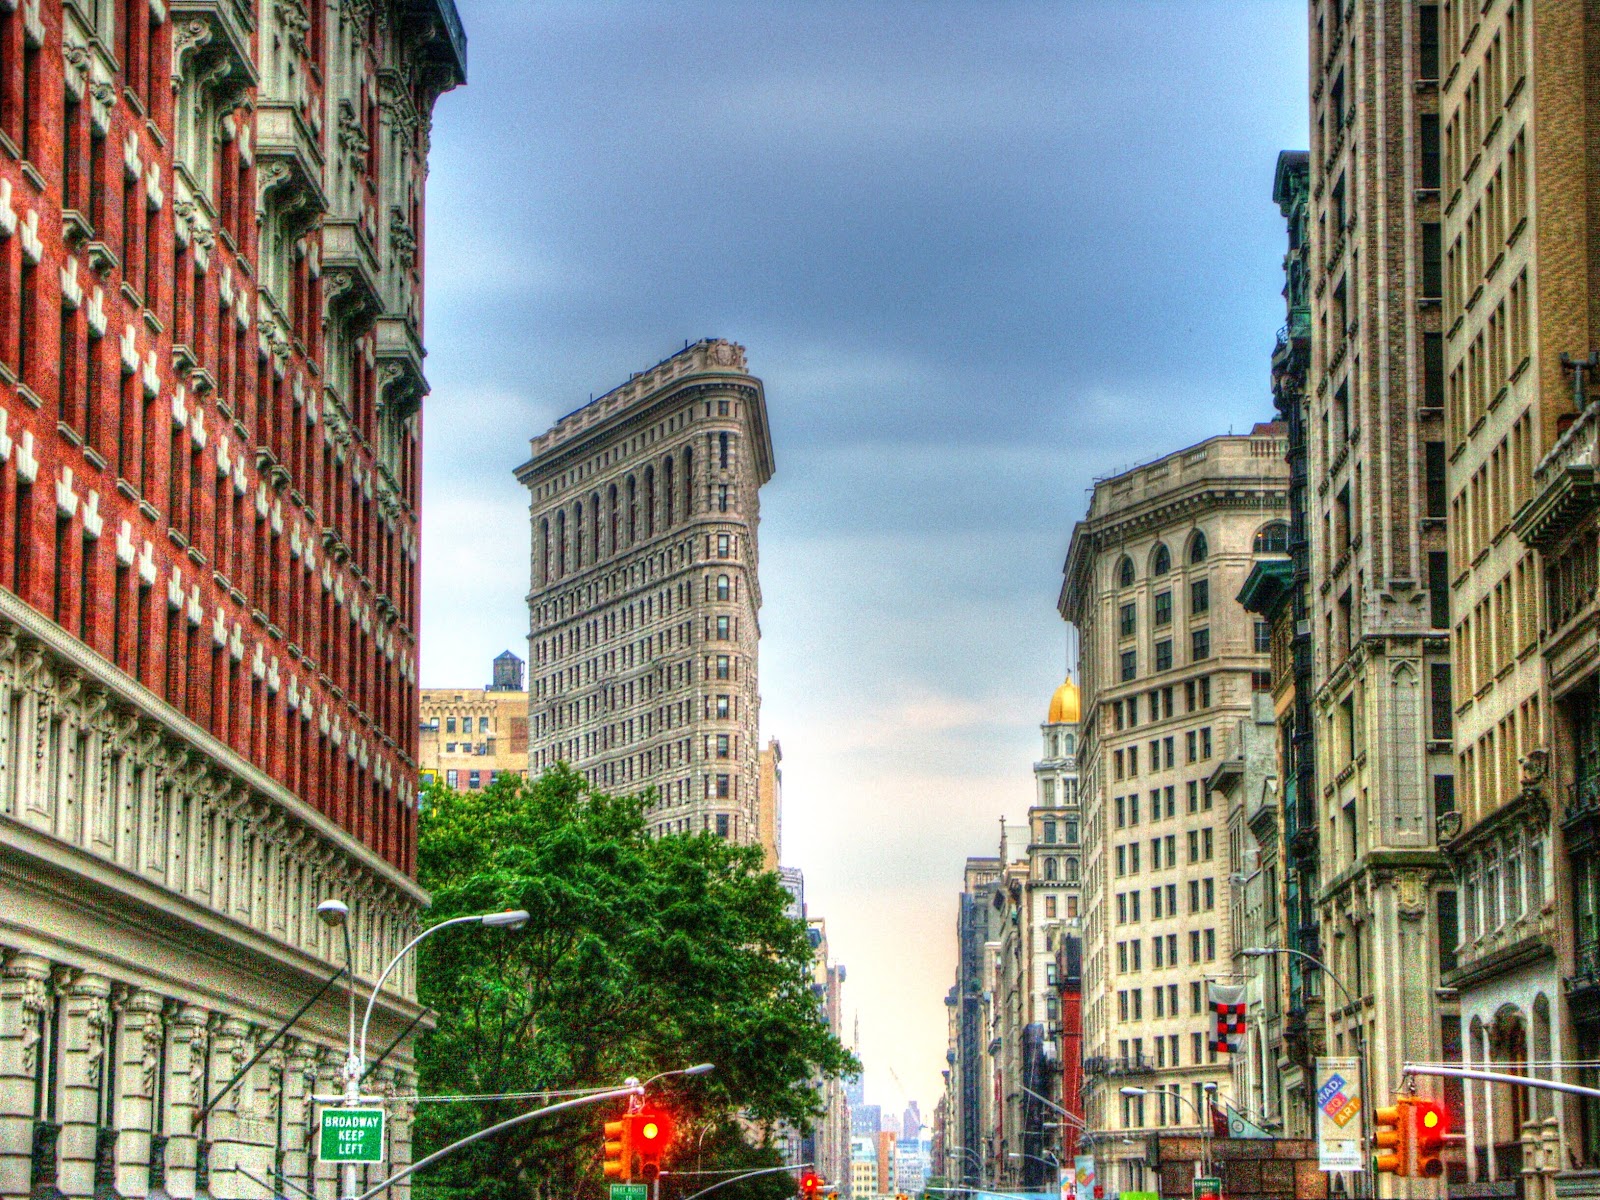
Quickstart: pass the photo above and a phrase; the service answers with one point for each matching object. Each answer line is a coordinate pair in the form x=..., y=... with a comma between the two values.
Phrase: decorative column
x=226, y=1128
x=140, y=1055
x=186, y=1062
x=84, y=1017
x=402, y=1108
x=299, y=1078
x=24, y=997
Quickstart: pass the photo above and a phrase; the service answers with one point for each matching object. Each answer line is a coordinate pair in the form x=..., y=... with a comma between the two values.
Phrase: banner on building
x=1083, y=1167
x=1339, y=1102
x=1227, y=1003
x=1068, y=1177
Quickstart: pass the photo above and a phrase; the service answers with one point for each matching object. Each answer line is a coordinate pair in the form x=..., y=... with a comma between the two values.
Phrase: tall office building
x=1376, y=489
x=1170, y=662
x=211, y=289
x=1518, y=186
x=644, y=600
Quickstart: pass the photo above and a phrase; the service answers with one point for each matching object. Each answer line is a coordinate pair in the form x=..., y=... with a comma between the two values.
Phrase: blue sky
x=980, y=253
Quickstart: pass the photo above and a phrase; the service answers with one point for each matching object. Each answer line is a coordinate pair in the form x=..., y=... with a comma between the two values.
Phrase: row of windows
x=1163, y=803
x=1125, y=762
x=1164, y=951
x=1199, y=651
x=1270, y=539
x=1161, y=608
x=1159, y=703
x=1164, y=1002
x=1164, y=856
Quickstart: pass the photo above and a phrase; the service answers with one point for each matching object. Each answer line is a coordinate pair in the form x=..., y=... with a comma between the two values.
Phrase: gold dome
x=1064, y=708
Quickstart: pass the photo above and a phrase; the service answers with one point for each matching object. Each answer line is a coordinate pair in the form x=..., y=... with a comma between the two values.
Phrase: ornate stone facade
x=210, y=350
x=1171, y=664
x=645, y=636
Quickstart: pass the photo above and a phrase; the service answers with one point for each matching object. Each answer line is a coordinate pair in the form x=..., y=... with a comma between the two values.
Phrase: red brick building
x=211, y=231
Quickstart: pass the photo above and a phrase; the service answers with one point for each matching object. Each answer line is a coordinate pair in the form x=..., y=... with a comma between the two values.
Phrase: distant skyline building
x=911, y=1122
x=470, y=736
x=644, y=597
x=769, y=790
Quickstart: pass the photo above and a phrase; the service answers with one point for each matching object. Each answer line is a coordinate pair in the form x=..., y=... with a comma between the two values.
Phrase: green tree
x=640, y=955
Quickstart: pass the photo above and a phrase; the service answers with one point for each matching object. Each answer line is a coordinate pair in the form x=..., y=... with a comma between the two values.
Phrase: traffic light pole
x=735, y=1179
x=1549, y=1085
x=632, y=1089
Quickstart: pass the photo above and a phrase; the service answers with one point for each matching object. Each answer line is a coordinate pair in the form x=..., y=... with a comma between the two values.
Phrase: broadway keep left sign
x=351, y=1135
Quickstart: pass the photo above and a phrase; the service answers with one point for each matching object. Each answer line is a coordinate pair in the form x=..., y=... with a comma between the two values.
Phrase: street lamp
x=1356, y=1029
x=336, y=914
x=1205, y=1125
x=973, y=1155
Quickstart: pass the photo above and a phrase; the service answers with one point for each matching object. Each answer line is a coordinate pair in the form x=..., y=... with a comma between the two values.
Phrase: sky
x=979, y=253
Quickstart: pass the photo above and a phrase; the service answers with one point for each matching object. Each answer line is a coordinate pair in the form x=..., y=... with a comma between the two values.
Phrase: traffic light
x=652, y=1133
x=1431, y=1122
x=810, y=1184
x=1394, y=1138
x=619, y=1149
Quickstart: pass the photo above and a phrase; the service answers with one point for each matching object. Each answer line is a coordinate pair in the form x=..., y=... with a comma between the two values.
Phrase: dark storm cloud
x=980, y=253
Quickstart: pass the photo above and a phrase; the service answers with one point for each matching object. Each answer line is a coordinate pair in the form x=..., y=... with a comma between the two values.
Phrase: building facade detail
x=645, y=591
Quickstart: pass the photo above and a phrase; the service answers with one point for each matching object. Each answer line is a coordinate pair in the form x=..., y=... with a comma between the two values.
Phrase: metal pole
x=352, y=1065
x=736, y=1178
x=613, y=1094
x=1552, y=1085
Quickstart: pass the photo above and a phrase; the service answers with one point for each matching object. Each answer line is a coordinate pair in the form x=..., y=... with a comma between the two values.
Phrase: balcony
x=441, y=39
x=1133, y=1064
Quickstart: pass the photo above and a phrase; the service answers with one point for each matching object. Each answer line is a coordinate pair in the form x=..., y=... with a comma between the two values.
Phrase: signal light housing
x=619, y=1149
x=1431, y=1122
x=1392, y=1137
x=652, y=1134
x=810, y=1183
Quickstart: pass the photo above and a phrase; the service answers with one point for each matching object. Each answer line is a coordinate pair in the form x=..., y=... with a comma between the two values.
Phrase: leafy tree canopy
x=640, y=955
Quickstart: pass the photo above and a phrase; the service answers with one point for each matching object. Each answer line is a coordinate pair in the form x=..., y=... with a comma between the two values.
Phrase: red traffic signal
x=1431, y=1122
x=810, y=1182
x=652, y=1134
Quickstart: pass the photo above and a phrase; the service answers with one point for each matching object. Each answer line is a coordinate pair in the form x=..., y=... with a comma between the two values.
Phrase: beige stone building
x=470, y=736
x=1171, y=663
x=1519, y=189
x=1377, y=509
x=645, y=592
x=769, y=789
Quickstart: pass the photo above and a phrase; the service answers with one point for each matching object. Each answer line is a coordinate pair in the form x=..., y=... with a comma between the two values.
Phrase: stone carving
x=191, y=35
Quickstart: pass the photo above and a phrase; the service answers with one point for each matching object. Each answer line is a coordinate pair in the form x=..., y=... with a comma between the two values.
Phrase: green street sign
x=629, y=1191
x=351, y=1135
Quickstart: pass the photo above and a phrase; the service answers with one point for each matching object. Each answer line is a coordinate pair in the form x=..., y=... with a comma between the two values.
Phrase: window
x=1263, y=638
x=1432, y=273
x=472, y=779
x=1199, y=645
x=483, y=724
x=1127, y=620
x=724, y=544
x=1449, y=931
x=1198, y=548
x=449, y=724
x=1125, y=572
x=722, y=823
x=1164, y=654
x=1428, y=136
x=1163, y=608
x=722, y=666
x=1130, y=665
x=722, y=787
x=1439, y=589
x=722, y=629
x=1433, y=370
x=1441, y=727
x=1272, y=539
x=1161, y=563
x=722, y=745
x=1437, y=497
x=724, y=588
x=1205, y=744
x=1194, y=796
x=1428, y=42
x=452, y=778
x=1199, y=597
x=722, y=707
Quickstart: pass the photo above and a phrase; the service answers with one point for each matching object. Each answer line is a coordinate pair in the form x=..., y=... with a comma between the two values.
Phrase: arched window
x=688, y=483
x=1272, y=539
x=1125, y=572
x=561, y=542
x=649, y=501
x=594, y=526
x=724, y=588
x=633, y=510
x=1072, y=870
x=1066, y=743
x=1198, y=548
x=668, y=491
x=1161, y=561
x=544, y=547
x=577, y=536
x=1050, y=869
x=615, y=521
